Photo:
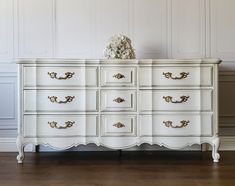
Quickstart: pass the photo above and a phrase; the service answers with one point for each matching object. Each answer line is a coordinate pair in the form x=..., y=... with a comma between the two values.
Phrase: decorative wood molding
x=183, y=45
x=9, y=145
x=222, y=43
x=9, y=121
x=6, y=52
x=41, y=47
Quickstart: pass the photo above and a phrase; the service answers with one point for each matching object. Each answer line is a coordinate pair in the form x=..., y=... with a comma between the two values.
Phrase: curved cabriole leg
x=20, y=148
x=215, y=148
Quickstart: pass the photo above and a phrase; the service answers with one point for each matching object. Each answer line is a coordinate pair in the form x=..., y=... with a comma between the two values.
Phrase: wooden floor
x=108, y=169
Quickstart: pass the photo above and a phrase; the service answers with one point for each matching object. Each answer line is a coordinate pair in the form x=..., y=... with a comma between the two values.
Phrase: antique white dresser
x=118, y=103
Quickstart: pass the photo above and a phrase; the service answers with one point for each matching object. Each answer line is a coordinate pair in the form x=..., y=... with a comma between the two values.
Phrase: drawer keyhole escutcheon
x=119, y=100
x=169, y=75
x=68, y=99
x=169, y=99
x=68, y=124
x=119, y=125
x=68, y=75
x=119, y=76
x=169, y=124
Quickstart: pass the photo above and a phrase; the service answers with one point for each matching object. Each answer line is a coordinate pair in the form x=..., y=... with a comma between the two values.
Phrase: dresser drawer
x=60, y=125
x=118, y=76
x=60, y=76
x=176, y=125
x=176, y=76
x=175, y=100
x=118, y=125
x=118, y=100
x=60, y=100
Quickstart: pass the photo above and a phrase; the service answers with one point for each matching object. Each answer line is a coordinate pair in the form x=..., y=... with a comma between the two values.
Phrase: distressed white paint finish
x=110, y=76
x=38, y=100
x=222, y=29
x=37, y=126
x=188, y=28
x=109, y=100
x=35, y=28
x=199, y=125
x=157, y=76
x=49, y=76
x=6, y=31
x=198, y=100
x=108, y=128
x=124, y=120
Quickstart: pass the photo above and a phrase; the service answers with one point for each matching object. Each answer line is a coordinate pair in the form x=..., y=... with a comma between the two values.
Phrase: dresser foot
x=20, y=148
x=20, y=158
x=215, y=148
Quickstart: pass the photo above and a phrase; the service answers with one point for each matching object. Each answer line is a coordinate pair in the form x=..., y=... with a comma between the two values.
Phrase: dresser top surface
x=118, y=61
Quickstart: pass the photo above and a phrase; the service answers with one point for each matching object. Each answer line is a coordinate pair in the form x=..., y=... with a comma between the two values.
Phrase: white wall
x=81, y=28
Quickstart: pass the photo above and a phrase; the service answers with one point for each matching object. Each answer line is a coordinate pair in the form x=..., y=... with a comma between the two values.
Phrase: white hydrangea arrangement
x=119, y=47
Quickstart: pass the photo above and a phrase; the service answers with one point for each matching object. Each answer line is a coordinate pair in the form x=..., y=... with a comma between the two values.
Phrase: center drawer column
x=118, y=104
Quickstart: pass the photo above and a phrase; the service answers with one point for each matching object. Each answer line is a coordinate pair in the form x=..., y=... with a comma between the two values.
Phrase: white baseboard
x=9, y=145
x=227, y=143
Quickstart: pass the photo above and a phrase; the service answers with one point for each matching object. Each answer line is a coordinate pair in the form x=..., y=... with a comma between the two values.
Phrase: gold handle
x=54, y=124
x=68, y=75
x=119, y=125
x=119, y=76
x=119, y=100
x=169, y=124
x=183, y=75
x=68, y=99
x=168, y=99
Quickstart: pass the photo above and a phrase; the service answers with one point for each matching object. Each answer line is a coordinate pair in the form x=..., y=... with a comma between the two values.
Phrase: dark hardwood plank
x=108, y=169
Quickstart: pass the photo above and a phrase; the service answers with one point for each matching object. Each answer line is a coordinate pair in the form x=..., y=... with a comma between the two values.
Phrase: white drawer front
x=175, y=76
x=118, y=100
x=118, y=76
x=176, y=125
x=175, y=100
x=118, y=125
x=60, y=76
x=60, y=125
x=60, y=100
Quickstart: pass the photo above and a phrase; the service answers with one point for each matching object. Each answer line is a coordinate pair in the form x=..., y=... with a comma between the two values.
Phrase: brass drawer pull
x=54, y=124
x=68, y=99
x=119, y=100
x=183, y=75
x=119, y=125
x=169, y=124
x=68, y=75
x=119, y=76
x=168, y=99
